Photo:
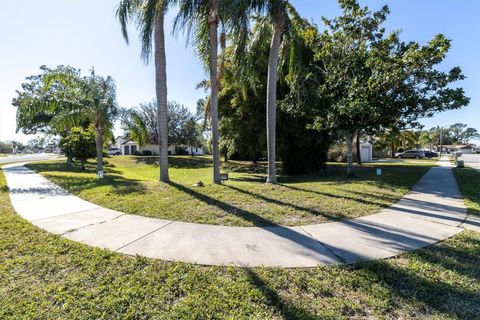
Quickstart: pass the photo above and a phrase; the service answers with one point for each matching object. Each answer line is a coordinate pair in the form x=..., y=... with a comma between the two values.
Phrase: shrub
x=337, y=153
x=79, y=144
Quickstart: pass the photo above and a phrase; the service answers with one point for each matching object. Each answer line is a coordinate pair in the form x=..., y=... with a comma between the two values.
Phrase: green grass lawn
x=43, y=276
x=131, y=185
x=468, y=180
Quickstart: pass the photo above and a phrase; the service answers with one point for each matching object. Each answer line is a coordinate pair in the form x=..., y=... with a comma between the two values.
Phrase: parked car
x=413, y=154
x=114, y=152
x=431, y=154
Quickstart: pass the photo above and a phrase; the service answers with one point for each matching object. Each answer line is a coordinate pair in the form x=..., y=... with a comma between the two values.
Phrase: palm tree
x=100, y=97
x=135, y=126
x=202, y=19
x=149, y=16
x=394, y=139
x=277, y=15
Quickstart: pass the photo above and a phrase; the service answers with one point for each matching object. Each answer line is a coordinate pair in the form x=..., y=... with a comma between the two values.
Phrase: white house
x=463, y=148
x=128, y=147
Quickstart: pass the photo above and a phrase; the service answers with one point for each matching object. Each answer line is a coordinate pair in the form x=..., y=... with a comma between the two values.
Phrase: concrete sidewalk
x=431, y=212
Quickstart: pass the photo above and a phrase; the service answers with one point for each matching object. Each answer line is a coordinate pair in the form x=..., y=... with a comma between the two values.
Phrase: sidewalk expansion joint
x=145, y=235
x=339, y=257
x=64, y=214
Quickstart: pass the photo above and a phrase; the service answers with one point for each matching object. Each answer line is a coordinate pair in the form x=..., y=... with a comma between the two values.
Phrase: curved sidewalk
x=431, y=212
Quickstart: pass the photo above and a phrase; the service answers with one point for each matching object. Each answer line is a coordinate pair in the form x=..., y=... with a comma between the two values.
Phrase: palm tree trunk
x=161, y=91
x=98, y=141
x=213, y=30
x=359, y=155
x=349, y=140
x=272, y=101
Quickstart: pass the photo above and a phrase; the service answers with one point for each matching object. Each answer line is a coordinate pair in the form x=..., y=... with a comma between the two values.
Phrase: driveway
x=472, y=160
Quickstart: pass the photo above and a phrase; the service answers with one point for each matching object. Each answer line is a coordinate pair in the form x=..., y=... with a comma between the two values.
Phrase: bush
x=301, y=150
x=337, y=153
x=79, y=144
x=181, y=151
x=146, y=153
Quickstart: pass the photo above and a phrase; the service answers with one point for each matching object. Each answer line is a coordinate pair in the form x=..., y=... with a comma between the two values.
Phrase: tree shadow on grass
x=286, y=204
x=273, y=298
x=331, y=195
x=119, y=185
x=267, y=225
x=183, y=162
x=244, y=214
x=463, y=260
x=433, y=292
x=76, y=167
x=420, y=294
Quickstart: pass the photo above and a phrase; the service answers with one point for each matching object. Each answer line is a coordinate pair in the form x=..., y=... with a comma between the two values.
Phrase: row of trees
x=60, y=100
x=351, y=77
x=141, y=125
x=458, y=133
x=202, y=18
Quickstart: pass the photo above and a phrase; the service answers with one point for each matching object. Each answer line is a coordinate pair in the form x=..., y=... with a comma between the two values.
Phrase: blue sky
x=85, y=33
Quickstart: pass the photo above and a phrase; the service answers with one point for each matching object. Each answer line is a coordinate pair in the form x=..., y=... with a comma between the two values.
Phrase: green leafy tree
x=140, y=124
x=242, y=116
x=149, y=15
x=470, y=134
x=79, y=144
x=51, y=102
x=375, y=81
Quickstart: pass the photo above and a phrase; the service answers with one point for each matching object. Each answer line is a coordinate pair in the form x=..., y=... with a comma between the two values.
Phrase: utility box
x=460, y=163
x=366, y=150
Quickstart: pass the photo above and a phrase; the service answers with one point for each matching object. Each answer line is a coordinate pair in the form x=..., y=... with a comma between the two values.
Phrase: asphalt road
x=28, y=157
x=472, y=160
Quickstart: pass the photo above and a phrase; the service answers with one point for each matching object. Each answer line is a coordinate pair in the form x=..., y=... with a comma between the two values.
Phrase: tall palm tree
x=149, y=16
x=277, y=15
x=202, y=19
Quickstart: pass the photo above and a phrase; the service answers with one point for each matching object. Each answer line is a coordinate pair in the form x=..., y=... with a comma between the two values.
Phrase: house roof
x=457, y=146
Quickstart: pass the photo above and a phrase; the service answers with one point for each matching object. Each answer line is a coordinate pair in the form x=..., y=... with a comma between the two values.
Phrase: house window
x=134, y=149
x=126, y=150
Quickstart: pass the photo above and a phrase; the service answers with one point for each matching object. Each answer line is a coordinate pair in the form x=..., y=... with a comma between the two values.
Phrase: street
x=28, y=157
x=472, y=160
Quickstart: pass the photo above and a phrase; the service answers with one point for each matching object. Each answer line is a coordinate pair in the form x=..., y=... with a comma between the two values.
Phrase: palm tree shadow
x=183, y=162
x=286, y=204
x=244, y=214
x=284, y=232
x=444, y=297
x=287, y=310
x=331, y=195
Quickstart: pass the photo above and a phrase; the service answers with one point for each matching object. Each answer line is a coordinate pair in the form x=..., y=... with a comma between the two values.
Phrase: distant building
x=463, y=148
x=129, y=147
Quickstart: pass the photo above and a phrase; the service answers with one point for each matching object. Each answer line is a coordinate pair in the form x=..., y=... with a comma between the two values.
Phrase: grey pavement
x=432, y=211
x=472, y=160
x=28, y=157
